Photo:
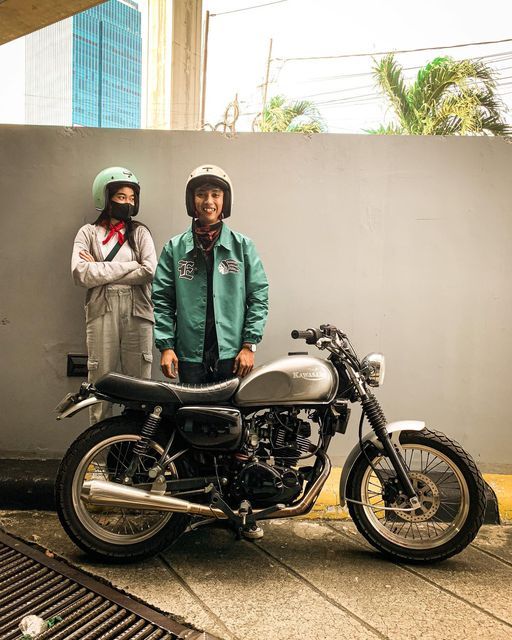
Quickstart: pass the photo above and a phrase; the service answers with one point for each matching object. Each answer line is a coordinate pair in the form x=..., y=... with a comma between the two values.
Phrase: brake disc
x=428, y=496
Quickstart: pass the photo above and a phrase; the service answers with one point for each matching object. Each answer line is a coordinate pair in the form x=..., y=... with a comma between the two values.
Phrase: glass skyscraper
x=107, y=66
x=86, y=70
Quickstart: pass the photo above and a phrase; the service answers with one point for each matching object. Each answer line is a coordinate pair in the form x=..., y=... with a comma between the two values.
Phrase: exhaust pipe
x=111, y=494
x=307, y=502
x=98, y=492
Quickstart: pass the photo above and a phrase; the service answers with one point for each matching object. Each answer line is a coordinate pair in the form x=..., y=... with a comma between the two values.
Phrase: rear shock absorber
x=141, y=446
x=378, y=422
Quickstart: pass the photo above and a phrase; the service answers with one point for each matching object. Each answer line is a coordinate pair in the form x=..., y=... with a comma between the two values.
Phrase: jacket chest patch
x=186, y=269
x=229, y=266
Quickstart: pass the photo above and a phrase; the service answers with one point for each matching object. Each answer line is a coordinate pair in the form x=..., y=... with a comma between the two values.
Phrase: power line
x=381, y=53
x=499, y=58
x=256, y=6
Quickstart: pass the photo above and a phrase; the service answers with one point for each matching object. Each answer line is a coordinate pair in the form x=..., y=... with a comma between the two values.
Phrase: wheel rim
x=442, y=491
x=116, y=525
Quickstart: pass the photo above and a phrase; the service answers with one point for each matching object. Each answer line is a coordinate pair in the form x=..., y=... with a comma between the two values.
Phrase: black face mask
x=121, y=211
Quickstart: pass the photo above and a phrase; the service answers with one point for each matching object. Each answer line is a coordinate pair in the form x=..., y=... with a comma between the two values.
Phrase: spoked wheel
x=450, y=490
x=115, y=534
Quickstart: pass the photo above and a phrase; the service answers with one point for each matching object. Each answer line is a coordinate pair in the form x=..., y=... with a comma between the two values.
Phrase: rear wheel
x=450, y=489
x=113, y=534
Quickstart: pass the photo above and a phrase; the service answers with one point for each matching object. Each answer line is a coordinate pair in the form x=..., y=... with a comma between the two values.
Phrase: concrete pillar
x=158, y=110
x=186, y=64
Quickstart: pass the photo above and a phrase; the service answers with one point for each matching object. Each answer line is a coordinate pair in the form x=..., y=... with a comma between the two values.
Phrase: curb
x=28, y=484
x=498, y=491
x=502, y=486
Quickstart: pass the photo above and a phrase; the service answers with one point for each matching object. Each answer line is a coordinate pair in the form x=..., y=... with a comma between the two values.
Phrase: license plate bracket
x=66, y=402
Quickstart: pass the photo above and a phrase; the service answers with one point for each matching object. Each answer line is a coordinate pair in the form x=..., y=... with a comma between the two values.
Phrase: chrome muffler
x=111, y=494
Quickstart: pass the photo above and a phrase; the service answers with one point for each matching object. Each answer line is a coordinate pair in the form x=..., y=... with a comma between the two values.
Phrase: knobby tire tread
x=471, y=525
x=95, y=548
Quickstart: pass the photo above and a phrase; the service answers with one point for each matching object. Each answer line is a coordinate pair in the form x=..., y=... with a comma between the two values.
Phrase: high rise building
x=86, y=70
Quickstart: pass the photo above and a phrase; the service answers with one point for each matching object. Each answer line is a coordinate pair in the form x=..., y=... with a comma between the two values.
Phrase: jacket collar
x=225, y=238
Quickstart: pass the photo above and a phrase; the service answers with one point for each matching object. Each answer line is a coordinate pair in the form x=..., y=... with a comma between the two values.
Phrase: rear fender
x=394, y=429
x=75, y=408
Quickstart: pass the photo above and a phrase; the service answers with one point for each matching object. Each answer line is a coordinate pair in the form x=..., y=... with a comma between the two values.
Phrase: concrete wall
x=403, y=242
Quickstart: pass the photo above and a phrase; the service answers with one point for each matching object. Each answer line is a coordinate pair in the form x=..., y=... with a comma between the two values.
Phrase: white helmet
x=209, y=173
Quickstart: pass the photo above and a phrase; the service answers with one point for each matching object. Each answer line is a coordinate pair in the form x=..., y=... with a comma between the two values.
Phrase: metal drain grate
x=31, y=583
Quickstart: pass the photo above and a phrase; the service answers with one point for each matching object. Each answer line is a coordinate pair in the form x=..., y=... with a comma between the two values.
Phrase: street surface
x=305, y=579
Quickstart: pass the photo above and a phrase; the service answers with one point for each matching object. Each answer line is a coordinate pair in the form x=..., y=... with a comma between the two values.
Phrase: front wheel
x=113, y=534
x=450, y=489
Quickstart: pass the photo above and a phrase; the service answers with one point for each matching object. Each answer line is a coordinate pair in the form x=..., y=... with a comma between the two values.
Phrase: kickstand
x=201, y=523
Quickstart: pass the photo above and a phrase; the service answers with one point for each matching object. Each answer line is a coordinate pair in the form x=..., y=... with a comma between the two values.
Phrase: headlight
x=373, y=367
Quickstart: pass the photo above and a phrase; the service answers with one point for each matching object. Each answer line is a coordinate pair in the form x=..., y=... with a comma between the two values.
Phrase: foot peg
x=243, y=521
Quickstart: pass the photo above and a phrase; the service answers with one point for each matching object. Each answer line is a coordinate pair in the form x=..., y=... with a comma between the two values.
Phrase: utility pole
x=205, y=64
x=265, y=86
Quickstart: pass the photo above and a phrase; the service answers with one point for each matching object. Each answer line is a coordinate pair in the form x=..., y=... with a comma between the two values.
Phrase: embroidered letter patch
x=186, y=268
x=229, y=266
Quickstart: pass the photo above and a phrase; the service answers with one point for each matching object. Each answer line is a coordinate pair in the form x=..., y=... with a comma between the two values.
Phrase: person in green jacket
x=210, y=290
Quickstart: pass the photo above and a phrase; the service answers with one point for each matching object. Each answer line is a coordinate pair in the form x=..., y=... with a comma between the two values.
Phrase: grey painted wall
x=403, y=242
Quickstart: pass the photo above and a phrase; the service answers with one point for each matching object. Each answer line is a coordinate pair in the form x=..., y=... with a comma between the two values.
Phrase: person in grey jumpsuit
x=114, y=259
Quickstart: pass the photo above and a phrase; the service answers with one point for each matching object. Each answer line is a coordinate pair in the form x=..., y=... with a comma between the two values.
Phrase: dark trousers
x=210, y=370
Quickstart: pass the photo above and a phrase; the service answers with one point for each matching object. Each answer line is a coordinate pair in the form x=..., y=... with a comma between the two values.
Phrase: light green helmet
x=113, y=177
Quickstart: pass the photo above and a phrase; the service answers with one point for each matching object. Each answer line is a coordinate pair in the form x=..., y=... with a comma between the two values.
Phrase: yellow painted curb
x=328, y=507
x=502, y=486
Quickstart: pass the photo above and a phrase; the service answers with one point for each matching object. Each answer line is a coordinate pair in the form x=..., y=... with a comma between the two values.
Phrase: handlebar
x=309, y=335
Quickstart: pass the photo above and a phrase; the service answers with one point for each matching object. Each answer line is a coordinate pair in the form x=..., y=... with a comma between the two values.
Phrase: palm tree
x=448, y=97
x=279, y=114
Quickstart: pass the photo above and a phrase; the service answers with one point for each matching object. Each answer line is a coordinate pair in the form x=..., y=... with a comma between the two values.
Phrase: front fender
x=75, y=408
x=394, y=429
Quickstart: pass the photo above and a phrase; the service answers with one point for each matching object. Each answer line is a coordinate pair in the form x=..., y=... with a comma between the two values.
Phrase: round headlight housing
x=373, y=367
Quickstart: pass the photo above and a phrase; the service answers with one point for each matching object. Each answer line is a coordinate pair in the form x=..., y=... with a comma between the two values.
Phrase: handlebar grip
x=297, y=334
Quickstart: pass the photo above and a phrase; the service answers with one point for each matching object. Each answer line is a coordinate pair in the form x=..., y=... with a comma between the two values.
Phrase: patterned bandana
x=115, y=229
x=207, y=236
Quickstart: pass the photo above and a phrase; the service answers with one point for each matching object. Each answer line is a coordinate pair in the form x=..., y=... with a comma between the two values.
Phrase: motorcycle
x=241, y=451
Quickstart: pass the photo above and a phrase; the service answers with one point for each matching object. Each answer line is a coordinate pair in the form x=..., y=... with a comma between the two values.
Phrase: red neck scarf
x=207, y=235
x=115, y=229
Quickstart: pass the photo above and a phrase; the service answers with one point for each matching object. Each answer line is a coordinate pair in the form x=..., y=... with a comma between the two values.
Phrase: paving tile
x=497, y=540
x=399, y=604
x=254, y=596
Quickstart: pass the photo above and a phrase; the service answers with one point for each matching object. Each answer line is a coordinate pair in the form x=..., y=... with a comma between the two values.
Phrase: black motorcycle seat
x=125, y=387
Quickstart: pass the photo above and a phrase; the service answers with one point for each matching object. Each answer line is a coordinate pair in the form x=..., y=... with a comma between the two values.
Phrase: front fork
x=378, y=422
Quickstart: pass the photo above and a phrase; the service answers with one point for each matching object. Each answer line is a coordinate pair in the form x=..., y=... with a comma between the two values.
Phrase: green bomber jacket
x=240, y=295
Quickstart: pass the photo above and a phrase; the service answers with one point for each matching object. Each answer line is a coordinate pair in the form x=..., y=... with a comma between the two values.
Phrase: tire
x=451, y=492
x=112, y=534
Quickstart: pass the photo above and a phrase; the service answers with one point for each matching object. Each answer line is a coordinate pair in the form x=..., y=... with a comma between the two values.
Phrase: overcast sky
x=343, y=88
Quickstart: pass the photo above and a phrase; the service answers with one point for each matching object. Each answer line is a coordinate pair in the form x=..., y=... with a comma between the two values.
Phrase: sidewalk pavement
x=316, y=580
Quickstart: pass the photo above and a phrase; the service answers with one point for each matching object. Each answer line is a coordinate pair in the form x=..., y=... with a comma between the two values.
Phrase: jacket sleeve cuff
x=251, y=338
x=166, y=344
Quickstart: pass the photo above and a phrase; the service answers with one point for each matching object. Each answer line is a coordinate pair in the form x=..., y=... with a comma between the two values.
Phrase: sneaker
x=254, y=533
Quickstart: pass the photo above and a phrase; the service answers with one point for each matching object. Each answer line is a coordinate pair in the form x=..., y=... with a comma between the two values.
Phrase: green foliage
x=301, y=116
x=448, y=97
x=386, y=130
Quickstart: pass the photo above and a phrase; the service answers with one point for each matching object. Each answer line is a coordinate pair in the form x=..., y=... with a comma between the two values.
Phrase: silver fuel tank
x=289, y=381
